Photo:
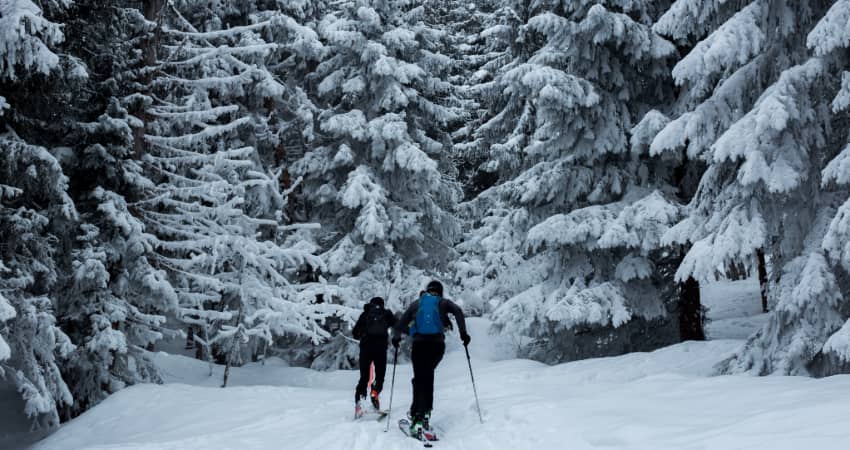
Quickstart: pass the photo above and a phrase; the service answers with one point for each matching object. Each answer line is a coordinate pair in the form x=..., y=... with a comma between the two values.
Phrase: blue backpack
x=427, y=316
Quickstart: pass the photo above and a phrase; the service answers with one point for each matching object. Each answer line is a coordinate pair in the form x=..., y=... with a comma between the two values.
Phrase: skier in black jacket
x=371, y=330
x=425, y=321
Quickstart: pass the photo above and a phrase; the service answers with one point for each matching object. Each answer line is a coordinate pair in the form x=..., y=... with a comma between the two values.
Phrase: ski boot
x=376, y=401
x=359, y=410
x=416, y=428
x=427, y=432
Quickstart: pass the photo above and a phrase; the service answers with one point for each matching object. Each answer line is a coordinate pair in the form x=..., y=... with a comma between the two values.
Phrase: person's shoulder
x=449, y=304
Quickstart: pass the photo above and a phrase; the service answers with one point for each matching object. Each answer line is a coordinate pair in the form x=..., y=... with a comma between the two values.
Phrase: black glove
x=465, y=338
x=396, y=341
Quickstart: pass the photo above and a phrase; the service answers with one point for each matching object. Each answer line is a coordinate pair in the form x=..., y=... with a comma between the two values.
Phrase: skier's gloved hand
x=465, y=338
x=396, y=341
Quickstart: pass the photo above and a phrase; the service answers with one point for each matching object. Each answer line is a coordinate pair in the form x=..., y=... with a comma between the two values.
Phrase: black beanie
x=377, y=301
x=436, y=287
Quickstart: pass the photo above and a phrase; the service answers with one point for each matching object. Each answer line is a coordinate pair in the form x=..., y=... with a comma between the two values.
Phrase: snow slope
x=734, y=308
x=658, y=400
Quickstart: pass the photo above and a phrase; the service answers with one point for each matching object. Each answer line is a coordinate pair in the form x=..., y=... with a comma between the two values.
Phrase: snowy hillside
x=658, y=400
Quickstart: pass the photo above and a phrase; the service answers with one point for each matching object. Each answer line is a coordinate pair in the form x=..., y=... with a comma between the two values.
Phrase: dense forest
x=245, y=174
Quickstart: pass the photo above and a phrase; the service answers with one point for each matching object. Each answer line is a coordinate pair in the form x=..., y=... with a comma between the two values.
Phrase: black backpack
x=376, y=321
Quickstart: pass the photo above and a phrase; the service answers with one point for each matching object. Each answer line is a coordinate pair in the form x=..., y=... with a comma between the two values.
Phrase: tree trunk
x=762, y=278
x=190, y=338
x=690, y=311
x=229, y=356
x=226, y=373
x=152, y=9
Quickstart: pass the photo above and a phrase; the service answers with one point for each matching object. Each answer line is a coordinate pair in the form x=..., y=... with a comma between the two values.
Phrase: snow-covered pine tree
x=581, y=205
x=33, y=203
x=216, y=211
x=481, y=46
x=830, y=40
x=34, y=210
x=783, y=152
x=111, y=302
x=753, y=108
x=494, y=245
x=721, y=78
x=376, y=177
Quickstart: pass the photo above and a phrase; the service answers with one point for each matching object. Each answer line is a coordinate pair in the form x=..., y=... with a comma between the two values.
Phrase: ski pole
x=392, y=388
x=477, y=405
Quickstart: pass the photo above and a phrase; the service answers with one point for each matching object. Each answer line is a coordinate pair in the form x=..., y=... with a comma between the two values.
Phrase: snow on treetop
x=839, y=342
x=344, y=257
x=764, y=137
x=408, y=156
x=833, y=30
x=362, y=191
x=400, y=39
x=369, y=17
x=6, y=311
x=25, y=38
x=687, y=18
x=646, y=130
x=634, y=267
x=351, y=123
x=699, y=129
x=600, y=304
x=641, y=224
x=582, y=226
x=735, y=42
x=816, y=284
x=638, y=40
x=564, y=307
x=838, y=170
x=554, y=85
x=404, y=72
x=735, y=238
x=341, y=32
x=840, y=103
x=836, y=242
x=630, y=223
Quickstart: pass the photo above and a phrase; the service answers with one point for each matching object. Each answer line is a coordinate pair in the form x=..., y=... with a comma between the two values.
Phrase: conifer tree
x=34, y=208
x=581, y=205
x=782, y=152
x=755, y=109
x=379, y=174
x=216, y=211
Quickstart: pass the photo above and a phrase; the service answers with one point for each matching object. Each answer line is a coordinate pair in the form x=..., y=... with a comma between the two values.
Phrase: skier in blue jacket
x=425, y=321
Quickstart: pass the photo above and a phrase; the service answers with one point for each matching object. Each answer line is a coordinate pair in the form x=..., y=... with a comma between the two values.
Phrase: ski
x=427, y=438
x=377, y=415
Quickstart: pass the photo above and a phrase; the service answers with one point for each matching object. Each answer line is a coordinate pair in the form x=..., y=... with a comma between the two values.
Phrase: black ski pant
x=371, y=353
x=426, y=355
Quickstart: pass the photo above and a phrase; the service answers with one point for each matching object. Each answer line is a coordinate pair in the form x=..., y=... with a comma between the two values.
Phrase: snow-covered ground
x=734, y=308
x=660, y=400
